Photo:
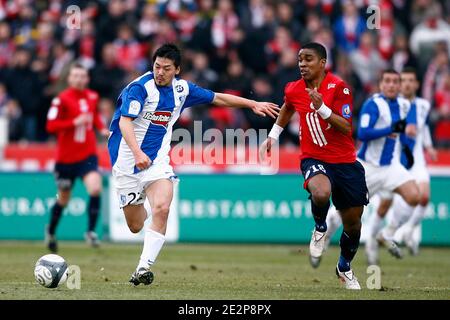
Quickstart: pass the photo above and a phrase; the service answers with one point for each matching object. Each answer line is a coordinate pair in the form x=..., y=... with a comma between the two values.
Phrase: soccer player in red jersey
x=328, y=157
x=72, y=117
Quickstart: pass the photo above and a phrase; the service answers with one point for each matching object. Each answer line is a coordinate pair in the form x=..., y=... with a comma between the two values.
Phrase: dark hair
x=390, y=71
x=169, y=51
x=77, y=65
x=410, y=70
x=317, y=48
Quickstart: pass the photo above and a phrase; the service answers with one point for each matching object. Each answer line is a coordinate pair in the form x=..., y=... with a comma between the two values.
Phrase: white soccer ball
x=51, y=271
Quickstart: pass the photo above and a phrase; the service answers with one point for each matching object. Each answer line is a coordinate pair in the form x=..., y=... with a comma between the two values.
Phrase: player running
x=328, y=158
x=139, y=145
x=383, y=118
x=402, y=211
x=72, y=117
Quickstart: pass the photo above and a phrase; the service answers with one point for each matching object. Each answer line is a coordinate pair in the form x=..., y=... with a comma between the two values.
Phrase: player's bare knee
x=95, y=192
x=161, y=209
x=320, y=197
x=354, y=226
x=412, y=198
x=424, y=200
x=135, y=226
x=63, y=201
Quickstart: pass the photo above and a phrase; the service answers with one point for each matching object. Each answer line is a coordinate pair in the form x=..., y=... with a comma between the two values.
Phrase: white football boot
x=316, y=247
x=410, y=242
x=349, y=279
x=390, y=244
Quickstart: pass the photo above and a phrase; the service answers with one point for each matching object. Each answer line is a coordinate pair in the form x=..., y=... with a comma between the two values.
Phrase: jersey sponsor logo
x=346, y=112
x=161, y=118
x=346, y=91
x=331, y=85
x=134, y=108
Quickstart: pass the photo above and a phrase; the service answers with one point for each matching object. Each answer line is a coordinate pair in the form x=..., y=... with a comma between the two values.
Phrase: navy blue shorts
x=67, y=173
x=348, y=182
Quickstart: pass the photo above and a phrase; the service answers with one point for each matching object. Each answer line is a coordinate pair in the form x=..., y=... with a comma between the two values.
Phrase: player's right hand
x=142, y=161
x=265, y=148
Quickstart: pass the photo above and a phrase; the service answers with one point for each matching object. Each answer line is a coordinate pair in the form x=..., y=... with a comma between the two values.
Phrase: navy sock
x=94, y=208
x=55, y=216
x=349, y=246
x=320, y=215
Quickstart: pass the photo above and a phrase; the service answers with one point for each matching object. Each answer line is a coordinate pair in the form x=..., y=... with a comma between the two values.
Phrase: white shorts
x=420, y=173
x=131, y=187
x=385, y=178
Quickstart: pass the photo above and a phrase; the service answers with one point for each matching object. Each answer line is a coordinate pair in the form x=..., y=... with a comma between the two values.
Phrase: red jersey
x=74, y=143
x=318, y=139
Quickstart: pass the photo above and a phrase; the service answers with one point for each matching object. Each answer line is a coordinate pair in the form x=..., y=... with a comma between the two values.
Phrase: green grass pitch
x=218, y=271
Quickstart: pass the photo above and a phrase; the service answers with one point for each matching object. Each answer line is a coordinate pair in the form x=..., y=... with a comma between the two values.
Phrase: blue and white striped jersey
x=423, y=137
x=380, y=145
x=155, y=109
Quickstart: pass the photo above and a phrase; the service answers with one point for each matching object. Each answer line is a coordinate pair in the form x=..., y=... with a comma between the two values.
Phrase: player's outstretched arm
x=142, y=161
x=283, y=119
x=260, y=108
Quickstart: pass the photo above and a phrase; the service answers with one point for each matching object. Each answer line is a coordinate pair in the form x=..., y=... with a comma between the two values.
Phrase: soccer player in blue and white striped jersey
x=382, y=119
x=139, y=145
x=402, y=213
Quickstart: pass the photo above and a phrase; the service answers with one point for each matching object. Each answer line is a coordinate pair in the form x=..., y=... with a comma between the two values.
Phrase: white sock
x=417, y=215
x=153, y=242
x=375, y=225
x=388, y=231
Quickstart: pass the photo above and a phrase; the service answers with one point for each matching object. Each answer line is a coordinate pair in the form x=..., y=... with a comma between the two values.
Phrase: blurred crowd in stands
x=245, y=47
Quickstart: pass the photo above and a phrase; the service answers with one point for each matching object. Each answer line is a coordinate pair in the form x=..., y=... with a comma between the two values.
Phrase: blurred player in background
x=402, y=211
x=328, y=158
x=72, y=117
x=140, y=140
x=383, y=118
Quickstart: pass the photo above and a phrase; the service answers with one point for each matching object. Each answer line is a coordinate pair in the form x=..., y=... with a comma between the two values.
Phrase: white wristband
x=275, y=132
x=324, y=111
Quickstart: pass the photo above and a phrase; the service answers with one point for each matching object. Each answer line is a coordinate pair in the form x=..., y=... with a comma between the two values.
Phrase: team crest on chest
x=179, y=88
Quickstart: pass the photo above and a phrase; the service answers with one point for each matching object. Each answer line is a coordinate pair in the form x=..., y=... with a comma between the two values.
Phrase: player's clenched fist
x=141, y=160
x=316, y=97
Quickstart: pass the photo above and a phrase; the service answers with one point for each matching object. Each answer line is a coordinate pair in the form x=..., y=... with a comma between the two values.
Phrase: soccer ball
x=51, y=271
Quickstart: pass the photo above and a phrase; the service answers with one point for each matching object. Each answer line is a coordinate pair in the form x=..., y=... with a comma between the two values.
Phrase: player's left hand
x=316, y=97
x=411, y=130
x=266, y=108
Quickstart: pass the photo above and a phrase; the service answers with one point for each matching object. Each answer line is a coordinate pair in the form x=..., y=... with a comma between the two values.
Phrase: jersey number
x=315, y=169
x=314, y=128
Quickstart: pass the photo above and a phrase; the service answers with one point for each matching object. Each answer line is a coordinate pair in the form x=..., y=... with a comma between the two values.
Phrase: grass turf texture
x=209, y=272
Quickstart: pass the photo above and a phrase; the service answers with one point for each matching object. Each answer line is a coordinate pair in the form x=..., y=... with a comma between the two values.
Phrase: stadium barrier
x=206, y=208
